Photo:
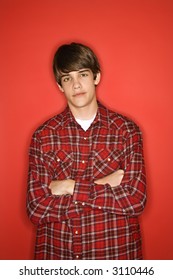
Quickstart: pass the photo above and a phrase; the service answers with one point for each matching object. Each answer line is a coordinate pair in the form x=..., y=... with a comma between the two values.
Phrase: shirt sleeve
x=42, y=206
x=129, y=197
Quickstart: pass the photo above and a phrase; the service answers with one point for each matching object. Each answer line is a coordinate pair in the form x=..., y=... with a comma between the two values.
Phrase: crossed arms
x=122, y=192
x=63, y=187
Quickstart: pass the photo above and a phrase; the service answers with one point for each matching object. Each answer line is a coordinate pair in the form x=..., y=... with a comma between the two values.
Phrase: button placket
x=77, y=243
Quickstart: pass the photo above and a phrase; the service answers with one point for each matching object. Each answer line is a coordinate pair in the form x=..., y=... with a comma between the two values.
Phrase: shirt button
x=83, y=203
x=58, y=159
x=83, y=161
x=85, y=138
x=99, y=207
x=75, y=202
x=77, y=257
x=109, y=159
x=76, y=232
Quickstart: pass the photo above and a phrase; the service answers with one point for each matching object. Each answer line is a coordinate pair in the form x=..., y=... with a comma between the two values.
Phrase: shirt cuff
x=82, y=190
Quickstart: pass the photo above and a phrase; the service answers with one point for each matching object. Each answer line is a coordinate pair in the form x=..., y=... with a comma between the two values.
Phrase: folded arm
x=122, y=192
x=127, y=198
x=43, y=204
x=63, y=187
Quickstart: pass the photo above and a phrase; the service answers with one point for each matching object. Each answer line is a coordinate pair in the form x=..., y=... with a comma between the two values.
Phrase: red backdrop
x=134, y=41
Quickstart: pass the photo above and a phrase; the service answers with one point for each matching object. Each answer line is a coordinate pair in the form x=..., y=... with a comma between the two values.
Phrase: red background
x=134, y=42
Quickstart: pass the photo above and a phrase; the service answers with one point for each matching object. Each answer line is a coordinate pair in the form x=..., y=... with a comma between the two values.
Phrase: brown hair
x=73, y=57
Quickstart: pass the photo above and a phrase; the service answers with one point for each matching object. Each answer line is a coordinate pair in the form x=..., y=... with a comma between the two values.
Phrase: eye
x=66, y=79
x=84, y=74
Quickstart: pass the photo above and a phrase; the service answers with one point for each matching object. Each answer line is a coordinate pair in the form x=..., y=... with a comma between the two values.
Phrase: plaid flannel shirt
x=97, y=221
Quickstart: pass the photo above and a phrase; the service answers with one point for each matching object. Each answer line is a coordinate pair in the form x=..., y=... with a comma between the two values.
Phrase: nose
x=76, y=83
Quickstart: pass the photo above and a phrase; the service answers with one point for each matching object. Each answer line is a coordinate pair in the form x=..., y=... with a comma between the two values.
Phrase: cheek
x=92, y=88
x=67, y=94
x=89, y=84
x=65, y=89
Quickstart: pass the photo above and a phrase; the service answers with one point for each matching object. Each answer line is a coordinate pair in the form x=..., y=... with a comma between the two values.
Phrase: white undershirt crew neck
x=85, y=124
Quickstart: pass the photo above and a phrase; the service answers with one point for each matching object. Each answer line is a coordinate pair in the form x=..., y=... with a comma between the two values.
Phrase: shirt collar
x=101, y=116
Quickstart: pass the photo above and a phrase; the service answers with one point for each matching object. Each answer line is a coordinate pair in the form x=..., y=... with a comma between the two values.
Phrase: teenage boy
x=86, y=185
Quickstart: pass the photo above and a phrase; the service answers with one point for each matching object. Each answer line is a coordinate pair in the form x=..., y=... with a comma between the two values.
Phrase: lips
x=78, y=94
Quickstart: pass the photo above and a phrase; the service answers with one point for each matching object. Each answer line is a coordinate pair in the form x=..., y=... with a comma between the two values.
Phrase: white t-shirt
x=85, y=124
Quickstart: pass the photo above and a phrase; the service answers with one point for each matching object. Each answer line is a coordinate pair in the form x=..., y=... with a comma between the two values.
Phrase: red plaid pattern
x=97, y=221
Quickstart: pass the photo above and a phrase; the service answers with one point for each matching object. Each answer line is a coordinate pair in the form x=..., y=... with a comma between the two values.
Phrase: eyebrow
x=84, y=70
x=79, y=71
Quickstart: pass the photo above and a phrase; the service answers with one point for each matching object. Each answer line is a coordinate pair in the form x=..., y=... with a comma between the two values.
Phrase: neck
x=84, y=113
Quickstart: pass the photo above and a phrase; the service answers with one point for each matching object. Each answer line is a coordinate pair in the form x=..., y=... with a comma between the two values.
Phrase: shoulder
x=49, y=127
x=120, y=123
x=125, y=127
x=117, y=120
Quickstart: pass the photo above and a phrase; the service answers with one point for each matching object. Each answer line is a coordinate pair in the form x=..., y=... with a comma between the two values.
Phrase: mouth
x=78, y=94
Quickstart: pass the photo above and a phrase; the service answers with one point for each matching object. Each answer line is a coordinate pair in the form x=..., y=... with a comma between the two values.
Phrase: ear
x=60, y=87
x=97, y=79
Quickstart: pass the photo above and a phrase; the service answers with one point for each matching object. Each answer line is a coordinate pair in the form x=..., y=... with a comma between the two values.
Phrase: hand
x=114, y=179
x=61, y=187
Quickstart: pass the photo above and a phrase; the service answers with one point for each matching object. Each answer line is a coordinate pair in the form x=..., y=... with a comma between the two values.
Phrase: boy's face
x=79, y=88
